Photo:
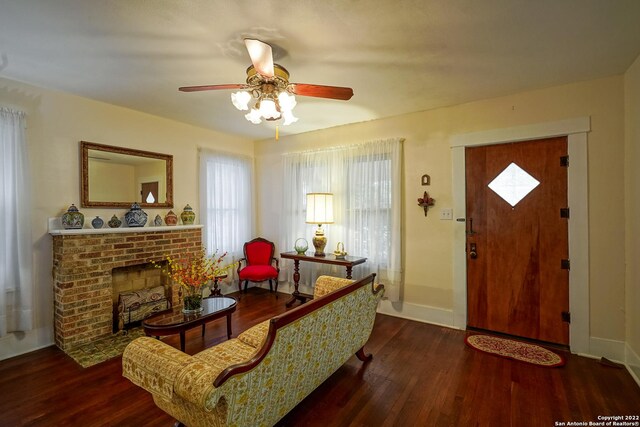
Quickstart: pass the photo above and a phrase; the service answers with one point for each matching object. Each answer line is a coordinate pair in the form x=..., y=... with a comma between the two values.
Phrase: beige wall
x=111, y=182
x=632, y=197
x=428, y=241
x=56, y=123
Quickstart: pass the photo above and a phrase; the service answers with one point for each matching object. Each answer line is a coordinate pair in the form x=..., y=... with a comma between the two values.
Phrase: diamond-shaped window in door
x=513, y=184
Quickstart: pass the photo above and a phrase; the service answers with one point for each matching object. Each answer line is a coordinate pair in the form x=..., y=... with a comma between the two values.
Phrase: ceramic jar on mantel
x=114, y=222
x=136, y=217
x=171, y=218
x=187, y=216
x=72, y=219
x=97, y=222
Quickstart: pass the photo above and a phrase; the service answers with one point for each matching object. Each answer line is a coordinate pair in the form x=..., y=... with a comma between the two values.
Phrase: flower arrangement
x=193, y=272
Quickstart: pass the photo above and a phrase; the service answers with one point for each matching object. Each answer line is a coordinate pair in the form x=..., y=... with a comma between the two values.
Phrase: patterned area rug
x=515, y=350
x=104, y=348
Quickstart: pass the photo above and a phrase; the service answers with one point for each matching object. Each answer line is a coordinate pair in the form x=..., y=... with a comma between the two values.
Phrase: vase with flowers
x=192, y=273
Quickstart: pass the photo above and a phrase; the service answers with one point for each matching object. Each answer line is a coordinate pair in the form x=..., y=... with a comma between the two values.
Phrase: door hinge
x=564, y=213
x=564, y=161
x=565, y=264
x=566, y=316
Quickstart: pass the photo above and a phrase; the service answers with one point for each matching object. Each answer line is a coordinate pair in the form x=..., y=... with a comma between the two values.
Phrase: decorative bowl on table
x=301, y=246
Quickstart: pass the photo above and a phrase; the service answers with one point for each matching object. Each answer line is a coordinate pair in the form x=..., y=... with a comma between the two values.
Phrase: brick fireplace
x=83, y=261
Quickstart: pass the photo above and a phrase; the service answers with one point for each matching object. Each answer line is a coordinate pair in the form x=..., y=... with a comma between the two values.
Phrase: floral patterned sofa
x=256, y=378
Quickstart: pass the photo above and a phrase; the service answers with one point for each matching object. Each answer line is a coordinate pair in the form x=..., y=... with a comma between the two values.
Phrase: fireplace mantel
x=55, y=229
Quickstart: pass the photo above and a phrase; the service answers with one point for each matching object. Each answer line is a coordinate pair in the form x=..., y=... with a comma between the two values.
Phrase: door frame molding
x=575, y=130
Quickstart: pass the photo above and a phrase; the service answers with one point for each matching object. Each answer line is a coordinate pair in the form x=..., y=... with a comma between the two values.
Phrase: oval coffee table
x=174, y=321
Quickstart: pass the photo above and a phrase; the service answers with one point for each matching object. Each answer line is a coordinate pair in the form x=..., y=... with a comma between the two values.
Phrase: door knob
x=473, y=253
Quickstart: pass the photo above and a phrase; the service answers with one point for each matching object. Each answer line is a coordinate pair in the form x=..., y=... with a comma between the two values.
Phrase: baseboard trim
x=417, y=312
x=632, y=362
x=10, y=354
x=602, y=347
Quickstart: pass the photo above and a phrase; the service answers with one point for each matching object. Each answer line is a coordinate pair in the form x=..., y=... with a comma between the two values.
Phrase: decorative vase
x=72, y=219
x=187, y=216
x=319, y=241
x=192, y=301
x=171, y=218
x=136, y=217
x=97, y=222
x=157, y=220
x=114, y=222
x=301, y=246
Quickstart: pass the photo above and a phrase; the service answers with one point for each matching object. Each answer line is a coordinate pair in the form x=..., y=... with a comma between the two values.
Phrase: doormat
x=104, y=348
x=515, y=350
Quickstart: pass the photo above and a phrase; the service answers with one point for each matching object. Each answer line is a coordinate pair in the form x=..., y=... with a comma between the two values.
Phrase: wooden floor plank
x=420, y=375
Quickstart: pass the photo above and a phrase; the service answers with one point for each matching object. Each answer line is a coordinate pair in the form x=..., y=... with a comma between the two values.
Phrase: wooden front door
x=517, y=281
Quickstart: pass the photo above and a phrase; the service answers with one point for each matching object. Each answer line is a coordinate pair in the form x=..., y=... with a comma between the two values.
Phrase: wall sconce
x=425, y=201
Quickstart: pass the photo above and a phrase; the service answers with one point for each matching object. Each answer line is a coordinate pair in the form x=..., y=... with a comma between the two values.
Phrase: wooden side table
x=348, y=262
x=215, y=291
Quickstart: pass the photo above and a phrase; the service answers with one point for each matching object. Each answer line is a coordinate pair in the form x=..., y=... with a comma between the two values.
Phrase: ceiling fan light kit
x=268, y=84
x=273, y=101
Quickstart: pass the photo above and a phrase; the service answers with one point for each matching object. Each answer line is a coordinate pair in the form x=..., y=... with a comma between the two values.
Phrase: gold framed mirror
x=115, y=177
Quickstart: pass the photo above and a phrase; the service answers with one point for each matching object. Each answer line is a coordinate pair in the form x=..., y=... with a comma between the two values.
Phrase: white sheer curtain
x=366, y=182
x=226, y=198
x=16, y=281
x=305, y=172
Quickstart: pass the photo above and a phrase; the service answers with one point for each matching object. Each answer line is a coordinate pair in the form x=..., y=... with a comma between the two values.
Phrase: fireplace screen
x=138, y=305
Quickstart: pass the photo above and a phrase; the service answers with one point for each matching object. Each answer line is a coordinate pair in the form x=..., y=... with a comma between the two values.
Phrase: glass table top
x=175, y=316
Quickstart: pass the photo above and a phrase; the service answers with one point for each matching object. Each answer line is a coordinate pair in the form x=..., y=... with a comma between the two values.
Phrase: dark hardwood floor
x=421, y=375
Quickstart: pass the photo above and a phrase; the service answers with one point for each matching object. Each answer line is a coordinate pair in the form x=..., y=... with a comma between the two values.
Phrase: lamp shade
x=241, y=100
x=319, y=208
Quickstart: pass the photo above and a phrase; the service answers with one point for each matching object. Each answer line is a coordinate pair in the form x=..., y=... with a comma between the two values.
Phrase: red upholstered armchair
x=258, y=264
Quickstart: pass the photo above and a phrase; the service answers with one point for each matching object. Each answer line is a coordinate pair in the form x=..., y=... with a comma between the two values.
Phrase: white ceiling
x=398, y=56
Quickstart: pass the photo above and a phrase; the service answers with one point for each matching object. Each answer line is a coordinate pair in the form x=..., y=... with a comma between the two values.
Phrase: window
x=513, y=184
x=16, y=281
x=226, y=201
x=368, y=205
x=365, y=180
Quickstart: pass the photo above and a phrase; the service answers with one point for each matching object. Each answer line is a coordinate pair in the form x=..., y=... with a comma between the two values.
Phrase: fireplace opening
x=139, y=291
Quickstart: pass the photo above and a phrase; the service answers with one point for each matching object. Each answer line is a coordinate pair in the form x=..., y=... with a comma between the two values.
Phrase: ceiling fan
x=268, y=83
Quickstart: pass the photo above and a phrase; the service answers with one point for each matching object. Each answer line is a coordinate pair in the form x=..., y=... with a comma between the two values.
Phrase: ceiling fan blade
x=261, y=56
x=211, y=87
x=319, y=91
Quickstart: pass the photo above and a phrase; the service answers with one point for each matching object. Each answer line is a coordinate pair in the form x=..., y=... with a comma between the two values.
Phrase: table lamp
x=319, y=211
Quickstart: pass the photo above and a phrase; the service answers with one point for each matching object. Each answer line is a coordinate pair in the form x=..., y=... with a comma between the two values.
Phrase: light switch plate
x=446, y=214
